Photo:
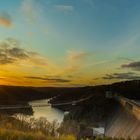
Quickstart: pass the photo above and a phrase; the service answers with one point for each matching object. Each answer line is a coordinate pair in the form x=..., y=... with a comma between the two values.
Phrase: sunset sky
x=69, y=42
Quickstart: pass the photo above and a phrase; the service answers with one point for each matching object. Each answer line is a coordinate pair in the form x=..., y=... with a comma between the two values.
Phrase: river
x=50, y=113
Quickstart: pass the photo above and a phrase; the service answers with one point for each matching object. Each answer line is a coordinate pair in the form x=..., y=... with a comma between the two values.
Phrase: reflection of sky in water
x=47, y=112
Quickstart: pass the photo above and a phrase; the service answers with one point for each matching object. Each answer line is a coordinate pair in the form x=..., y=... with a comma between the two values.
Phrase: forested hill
x=95, y=106
x=130, y=89
x=98, y=108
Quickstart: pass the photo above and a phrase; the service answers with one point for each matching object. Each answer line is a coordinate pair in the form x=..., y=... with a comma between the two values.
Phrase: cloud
x=100, y=63
x=5, y=19
x=122, y=76
x=90, y=2
x=17, y=53
x=31, y=10
x=49, y=79
x=4, y=59
x=11, y=52
x=74, y=57
x=64, y=8
x=125, y=59
x=1, y=78
x=75, y=60
x=133, y=65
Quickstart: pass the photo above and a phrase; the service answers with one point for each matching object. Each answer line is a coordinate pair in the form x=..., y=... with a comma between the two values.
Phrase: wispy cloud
x=5, y=19
x=11, y=52
x=48, y=79
x=125, y=59
x=133, y=65
x=90, y=2
x=30, y=10
x=122, y=76
x=75, y=60
x=76, y=56
x=64, y=8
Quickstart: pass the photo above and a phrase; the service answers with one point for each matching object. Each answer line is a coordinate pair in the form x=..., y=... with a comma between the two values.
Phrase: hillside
x=22, y=95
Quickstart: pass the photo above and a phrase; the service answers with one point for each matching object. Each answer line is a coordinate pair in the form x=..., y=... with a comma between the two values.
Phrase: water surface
x=50, y=113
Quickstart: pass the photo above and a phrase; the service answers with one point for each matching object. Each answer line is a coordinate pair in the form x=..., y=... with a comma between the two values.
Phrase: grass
x=6, y=134
x=33, y=129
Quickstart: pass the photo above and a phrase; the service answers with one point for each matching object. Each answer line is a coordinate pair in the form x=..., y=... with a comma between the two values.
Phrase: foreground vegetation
x=6, y=134
x=24, y=128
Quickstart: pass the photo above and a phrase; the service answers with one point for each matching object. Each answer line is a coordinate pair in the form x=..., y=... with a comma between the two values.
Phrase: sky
x=69, y=42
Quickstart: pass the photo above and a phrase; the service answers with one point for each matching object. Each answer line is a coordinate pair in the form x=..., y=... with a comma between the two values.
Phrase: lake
x=50, y=113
